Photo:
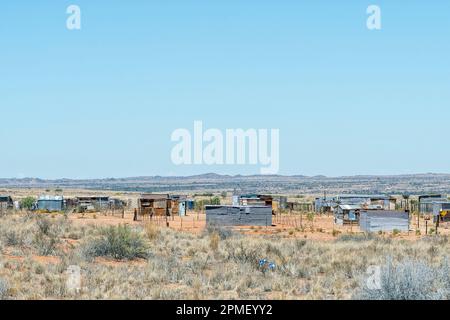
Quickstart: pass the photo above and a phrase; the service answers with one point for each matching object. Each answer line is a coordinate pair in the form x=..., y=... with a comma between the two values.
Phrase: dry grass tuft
x=217, y=264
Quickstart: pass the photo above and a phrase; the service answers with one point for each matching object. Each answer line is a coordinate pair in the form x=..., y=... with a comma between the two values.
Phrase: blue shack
x=50, y=203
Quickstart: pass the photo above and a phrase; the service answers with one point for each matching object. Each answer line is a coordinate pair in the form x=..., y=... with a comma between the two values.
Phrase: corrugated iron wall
x=50, y=205
x=239, y=215
x=383, y=220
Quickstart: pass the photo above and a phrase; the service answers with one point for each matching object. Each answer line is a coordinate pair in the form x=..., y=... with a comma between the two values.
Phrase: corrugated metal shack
x=178, y=205
x=346, y=214
x=324, y=204
x=427, y=202
x=89, y=203
x=383, y=220
x=330, y=204
x=382, y=201
x=50, y=203
x=238, y=215
x=6, y=202
x=255, y=200
x=190, y=203
x=282, y=202
x=117, y=203
x=258, y=200
x=300, y=206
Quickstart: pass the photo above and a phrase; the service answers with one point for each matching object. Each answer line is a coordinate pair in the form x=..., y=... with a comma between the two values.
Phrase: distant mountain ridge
x=394, y=184
x=220, y=176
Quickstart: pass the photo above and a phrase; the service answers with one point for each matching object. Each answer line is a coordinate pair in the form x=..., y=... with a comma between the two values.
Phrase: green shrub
x=27, y=203
x=120, y=243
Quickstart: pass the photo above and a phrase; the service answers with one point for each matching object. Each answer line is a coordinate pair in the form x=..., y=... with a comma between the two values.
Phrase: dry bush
x=216, y=264
x=3, y=289
x=223, y=232
x=151, y=231
x=409, y=280
x=214, y=240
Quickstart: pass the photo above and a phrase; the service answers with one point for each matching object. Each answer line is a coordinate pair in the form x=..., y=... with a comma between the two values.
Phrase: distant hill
x=393, y=184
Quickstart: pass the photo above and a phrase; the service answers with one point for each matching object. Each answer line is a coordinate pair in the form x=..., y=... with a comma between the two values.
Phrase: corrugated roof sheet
x=349, y=207
x=150, y=196
x=51, y=198
x=368, y=196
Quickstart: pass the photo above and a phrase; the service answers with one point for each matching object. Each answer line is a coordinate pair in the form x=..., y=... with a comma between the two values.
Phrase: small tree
x=215, y=201
x=199, y=205
x=27, y=203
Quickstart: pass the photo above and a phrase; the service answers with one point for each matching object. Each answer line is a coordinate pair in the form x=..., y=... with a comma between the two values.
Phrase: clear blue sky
x=103, y=101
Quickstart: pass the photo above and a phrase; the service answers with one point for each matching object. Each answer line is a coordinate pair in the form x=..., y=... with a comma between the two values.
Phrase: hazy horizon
x=233, y=175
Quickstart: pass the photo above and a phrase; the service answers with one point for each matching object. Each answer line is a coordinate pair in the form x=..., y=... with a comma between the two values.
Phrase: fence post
x=437, y=224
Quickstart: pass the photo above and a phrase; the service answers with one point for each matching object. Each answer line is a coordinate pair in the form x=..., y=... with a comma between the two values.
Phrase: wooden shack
x=154, y=205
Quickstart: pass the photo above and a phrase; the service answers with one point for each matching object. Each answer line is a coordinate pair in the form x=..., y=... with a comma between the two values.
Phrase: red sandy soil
x=294, y=226
x=297, y=225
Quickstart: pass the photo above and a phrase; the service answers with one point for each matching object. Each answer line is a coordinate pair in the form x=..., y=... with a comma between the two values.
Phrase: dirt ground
x=289, y=225
x=295, y=225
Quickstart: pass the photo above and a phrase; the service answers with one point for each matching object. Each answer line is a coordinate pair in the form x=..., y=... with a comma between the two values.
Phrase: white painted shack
x=222, y=215
x=383, y=220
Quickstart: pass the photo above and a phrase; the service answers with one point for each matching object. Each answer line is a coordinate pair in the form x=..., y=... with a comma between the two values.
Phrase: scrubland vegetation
x=150, y=262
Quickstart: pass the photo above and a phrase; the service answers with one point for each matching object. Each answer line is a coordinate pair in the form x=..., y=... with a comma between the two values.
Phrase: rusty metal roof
x=151, y=196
